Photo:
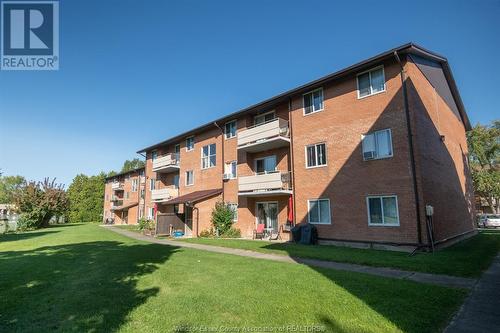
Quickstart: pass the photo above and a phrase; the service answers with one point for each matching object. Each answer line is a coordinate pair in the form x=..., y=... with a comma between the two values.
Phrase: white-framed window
x=230, y=129
x=190, y=143
x=234, y=208
x=154, y=155
x=318, y=211
x=230, y=169
x=151, y=213
x=152, y=184
x=208, y=156
x=265, y=164
x=371, y=82
x=316, y=155
x=264, y=117
x=377, y=145
x=135, y=183
x=383, y=210
x=189, y=177
x=313, y=101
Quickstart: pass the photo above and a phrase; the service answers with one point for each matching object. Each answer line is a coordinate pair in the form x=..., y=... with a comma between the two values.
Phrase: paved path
x=481, y=310
x=443, y=280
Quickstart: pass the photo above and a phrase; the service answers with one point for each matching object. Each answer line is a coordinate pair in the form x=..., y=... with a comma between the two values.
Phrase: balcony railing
x=265, y=136
x=117, y=186
x=167, y=163
x=116, y=204
x=164, y=194
x=275, y=182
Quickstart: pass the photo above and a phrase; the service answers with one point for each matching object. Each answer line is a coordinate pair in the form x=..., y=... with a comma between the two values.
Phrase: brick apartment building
x=359, y=153
x=124, y=197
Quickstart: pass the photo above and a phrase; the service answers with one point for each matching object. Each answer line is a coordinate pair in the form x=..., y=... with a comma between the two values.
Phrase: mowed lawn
x=468, y=258
x=84, y=278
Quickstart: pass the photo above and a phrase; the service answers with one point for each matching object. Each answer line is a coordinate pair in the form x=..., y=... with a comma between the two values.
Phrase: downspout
x=145, y=184
x=223, y=162
x=410, y=143
x=291, y=163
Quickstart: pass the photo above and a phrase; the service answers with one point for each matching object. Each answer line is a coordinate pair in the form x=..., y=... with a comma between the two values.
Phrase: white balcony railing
x=164, y=194
x=271, y=134
x=166, y=163
x=117, y=186
x=278, y=182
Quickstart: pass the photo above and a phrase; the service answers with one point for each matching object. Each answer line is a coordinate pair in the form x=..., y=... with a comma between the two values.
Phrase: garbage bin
x=296, y=233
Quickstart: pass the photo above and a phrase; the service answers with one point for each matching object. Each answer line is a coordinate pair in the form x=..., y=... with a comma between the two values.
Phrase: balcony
x=164, y=194
x=166, y=163
x=117, y=186
x=115, y=198
x=273, y=183
x=116, y=205
x=269, y=135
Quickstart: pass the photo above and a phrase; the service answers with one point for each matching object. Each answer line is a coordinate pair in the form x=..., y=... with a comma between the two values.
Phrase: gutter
x=410, y=143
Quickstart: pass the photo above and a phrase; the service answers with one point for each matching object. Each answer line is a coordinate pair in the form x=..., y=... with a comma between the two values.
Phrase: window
x=234, y=208
x=230, y=129
x=141, y=173
x=190, y=143
x=152, y=184
x=264, y=118
x=371, y=82
x=154, y=155
x=142, y=193
x=313, y=101
x=151, y=213
x=127, y=195
x=177, y=149
x=316, y=155
x=383, y=210
x=265, y=164
x=134, y=184
x=189, y=177
x=175, y=181
x=319, y=211
x=377, y=145
x=208, y=156
x=230, y=169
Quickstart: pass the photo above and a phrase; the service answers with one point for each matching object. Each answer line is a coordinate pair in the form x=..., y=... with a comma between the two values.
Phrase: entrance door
x=267, y=214
x=188, y=220
x=265, y=165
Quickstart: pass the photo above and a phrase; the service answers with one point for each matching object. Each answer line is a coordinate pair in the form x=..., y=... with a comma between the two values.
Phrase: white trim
x=377, y=158
x=315, y=111
x=235, y=121
x=383, y=224
x=316, y=151
x=185, y=180
x=329, y=211
x=230, y=167
x=189, y=137
x=370, y=78
x=237, y=206
x=208, y=156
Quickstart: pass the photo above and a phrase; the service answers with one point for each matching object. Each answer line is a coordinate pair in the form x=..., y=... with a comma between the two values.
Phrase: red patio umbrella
x=290, y=210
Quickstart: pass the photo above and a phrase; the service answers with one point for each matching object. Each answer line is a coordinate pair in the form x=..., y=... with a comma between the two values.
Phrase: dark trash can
x=305, y=234
x=296, y=233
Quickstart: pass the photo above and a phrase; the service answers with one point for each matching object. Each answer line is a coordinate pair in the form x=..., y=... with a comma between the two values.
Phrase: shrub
x=29, y=220
x=232, y=233
x=208, y=233
x=222, y=217
x=145, y=224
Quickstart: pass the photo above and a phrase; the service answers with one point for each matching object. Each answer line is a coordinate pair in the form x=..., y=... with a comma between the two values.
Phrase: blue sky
x=158, y=68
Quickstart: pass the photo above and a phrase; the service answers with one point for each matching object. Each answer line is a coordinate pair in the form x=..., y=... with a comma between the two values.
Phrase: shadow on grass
x=77, y=287
x=10, y=237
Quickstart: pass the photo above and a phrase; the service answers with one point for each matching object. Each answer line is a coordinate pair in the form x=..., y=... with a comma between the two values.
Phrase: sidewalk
x=481, y=310
x=443, y=280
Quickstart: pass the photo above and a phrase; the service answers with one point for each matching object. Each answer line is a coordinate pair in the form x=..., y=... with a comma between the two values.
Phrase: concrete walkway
x=481, y=310
x=443, y=280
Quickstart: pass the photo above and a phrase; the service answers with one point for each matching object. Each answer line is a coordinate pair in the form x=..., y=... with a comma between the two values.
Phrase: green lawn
x=86, y=278
x=468, y=258
x=129, y=227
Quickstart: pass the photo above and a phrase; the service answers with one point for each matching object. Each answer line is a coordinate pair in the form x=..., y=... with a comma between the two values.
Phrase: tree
x=86, y=197
x=484, y=152
x=39, y=202
x=132, y=164
x=8, y=186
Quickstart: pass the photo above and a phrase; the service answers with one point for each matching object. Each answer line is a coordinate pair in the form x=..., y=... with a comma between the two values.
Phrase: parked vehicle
x=489, y=221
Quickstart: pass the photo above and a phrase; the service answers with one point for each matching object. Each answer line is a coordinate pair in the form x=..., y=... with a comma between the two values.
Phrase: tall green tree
x=484, y=152
x=8, y=186
x=86, y=197
x=132, y=164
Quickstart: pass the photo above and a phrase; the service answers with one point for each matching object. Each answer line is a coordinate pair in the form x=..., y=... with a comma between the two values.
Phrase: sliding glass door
x=267, y=214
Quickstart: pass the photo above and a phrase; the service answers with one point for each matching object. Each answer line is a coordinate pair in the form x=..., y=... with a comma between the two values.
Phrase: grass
x=467, y=259
x=87, y=278
x=129, y=227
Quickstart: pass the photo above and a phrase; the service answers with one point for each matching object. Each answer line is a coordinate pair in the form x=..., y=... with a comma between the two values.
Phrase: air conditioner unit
x=227, y=176
x=369, y=155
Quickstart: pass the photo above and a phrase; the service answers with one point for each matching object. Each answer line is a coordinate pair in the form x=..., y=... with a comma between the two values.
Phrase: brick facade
x=347, y=180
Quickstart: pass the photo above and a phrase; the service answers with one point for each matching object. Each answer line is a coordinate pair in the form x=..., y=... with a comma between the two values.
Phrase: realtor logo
x=30, y=35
